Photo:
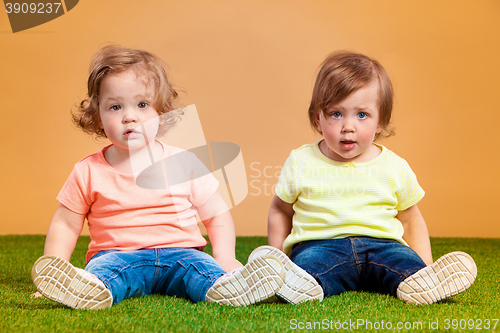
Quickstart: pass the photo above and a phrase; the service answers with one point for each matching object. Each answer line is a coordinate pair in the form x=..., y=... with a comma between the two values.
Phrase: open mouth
x=130, y=132
x=347, y=144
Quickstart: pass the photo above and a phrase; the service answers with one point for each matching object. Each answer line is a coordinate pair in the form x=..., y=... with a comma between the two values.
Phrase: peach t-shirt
x=125, y=214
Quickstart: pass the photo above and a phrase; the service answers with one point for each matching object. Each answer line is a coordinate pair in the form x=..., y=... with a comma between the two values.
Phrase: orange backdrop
x=249, y=66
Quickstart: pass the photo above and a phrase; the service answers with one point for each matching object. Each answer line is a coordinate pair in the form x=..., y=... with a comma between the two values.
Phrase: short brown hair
x=115, y=59
x=343, y=73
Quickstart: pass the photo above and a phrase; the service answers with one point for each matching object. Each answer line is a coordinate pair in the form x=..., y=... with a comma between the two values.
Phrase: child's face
x=126, y=110
x=350, y=126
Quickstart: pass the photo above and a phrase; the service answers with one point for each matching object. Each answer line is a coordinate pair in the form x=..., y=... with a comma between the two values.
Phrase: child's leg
x=197, y=276
x=384, y=263
x=394, y=268
x=181, y=272
x=112, y=276
x=58, y=280
x=125, y=273
x=299, y=285
x=331, y=262
x=186, y=273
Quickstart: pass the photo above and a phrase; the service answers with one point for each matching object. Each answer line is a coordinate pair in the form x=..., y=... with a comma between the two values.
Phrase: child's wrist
x=224, y=257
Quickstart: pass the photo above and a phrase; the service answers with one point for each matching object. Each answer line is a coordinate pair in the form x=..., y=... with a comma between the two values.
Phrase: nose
x=129, y=116
x=348, y=126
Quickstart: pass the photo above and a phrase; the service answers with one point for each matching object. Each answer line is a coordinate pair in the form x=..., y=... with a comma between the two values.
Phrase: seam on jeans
x=209, y=278
x=209, y=282
x=128, y=266
x=194, y=264
x=328, y=270
x=157, y=268
x=201, y=272
x=357, y=262
x=315, y=275
x=401, y=275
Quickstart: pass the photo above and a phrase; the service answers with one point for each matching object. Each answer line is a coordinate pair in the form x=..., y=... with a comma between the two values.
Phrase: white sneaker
x=299, y=286
x=60, y=281
x=255, y=282
x=450, y=275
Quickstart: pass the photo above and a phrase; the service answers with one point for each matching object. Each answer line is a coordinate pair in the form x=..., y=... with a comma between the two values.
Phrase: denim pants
x=181, y=272
x=357, y=263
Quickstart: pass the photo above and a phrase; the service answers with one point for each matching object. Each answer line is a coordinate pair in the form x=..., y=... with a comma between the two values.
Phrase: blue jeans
x=357, y=263
x=181, y=272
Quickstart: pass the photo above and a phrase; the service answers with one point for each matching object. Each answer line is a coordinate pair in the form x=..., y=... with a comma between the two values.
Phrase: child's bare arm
x=416, y=233
x=220, y=228
x=279, y=223
x=63, y=233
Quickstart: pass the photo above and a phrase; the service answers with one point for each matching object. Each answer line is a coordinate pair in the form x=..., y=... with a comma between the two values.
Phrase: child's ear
x=379, y=129
x=316, y=120
x=99, y=122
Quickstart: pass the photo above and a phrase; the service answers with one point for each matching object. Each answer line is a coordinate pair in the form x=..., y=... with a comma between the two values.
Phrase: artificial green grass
x=361, y=311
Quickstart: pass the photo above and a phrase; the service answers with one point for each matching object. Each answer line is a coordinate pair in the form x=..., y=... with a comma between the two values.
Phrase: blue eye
x=115, y=107
x=362, y=115
x=336, y=114
x=142, y=105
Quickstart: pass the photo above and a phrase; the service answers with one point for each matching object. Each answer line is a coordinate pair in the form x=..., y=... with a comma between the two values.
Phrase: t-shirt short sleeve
x=286, y=189
x=410, y=191
x=74, y=194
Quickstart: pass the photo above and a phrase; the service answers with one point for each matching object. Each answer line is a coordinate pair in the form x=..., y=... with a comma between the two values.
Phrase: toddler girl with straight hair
x=143, y=240
x=345, y=208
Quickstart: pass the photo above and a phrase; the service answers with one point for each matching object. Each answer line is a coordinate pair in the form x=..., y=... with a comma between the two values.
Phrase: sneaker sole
x=58, y=280
x=255, y=282
x=450, y=275
x=299, y=286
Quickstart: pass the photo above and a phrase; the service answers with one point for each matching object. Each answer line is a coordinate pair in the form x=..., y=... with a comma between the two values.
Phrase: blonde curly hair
x=115, y=59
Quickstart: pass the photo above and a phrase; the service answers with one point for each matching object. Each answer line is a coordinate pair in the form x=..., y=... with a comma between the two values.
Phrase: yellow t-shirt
x=335, y=200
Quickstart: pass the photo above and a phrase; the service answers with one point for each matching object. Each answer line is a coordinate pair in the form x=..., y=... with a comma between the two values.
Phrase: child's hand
x=35, y=295
x=229, y=264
